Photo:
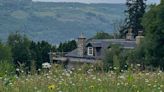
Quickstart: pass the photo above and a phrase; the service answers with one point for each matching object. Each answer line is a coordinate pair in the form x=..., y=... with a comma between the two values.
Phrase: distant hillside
x=56, y=22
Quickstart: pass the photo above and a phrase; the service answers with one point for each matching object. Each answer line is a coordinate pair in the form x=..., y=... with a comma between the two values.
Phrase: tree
x=67, y=46
x=162, y=1
x=153, y=22
x=45, y=48
x=40, y=52
x=102, y=35
x=5, y=53
x=20, y=50
x=6, y=66
x=134, y=13
x=117, y=25
x=28, y=52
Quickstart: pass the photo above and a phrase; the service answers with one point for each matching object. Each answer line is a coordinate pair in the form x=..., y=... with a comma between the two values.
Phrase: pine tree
x=134, y=13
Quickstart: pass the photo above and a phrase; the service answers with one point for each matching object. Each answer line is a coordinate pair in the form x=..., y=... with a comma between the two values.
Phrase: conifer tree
x=134, y=13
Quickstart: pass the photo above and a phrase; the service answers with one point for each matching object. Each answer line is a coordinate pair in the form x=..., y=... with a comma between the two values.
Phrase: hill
x=56, y=22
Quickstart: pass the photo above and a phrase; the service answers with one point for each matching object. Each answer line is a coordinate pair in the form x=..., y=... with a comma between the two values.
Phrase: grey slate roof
x=103, y=43
x=75, y=53
x=94, y=44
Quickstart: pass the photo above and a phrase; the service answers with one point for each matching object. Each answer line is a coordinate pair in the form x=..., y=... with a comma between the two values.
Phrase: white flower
x=147, y=74
x=115, y=68
x=67, y=74
x=46, y=65
x=39, y=69
x=94, y=78
x=155, y=86
x=126, y=84
x=118, y=84
x=138, y=65
x=122, y=77
x=17, y=69
x=146, y=80
x=99, y=79
x=149, y=84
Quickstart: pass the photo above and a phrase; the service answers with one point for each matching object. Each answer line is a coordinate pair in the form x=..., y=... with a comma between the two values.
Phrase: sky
x=96, y=1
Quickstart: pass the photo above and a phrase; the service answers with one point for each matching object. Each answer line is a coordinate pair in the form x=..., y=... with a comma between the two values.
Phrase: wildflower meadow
x=83, y=79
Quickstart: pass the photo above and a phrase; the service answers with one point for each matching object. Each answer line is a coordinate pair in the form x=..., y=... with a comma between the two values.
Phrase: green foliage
x=29, y=53
x=116, y=64
x=135, y=11
x=153, y=22
x=67, y=46
x=87, y=80
x=102, y=35
x=40, y=52
x=114, y=58
x=151, y=51
x=162, y=1
x=20, y=49
x=5, y=53
x=6, y=68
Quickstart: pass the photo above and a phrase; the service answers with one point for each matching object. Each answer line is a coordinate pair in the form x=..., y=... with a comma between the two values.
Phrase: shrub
x=6, y=68
x=114, y=57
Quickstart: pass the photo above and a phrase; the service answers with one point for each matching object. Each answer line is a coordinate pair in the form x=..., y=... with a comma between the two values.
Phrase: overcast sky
x=95, y=1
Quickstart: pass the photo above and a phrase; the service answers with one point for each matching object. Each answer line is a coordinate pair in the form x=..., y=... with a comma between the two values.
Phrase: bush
x=114, y=58
x=6, y=68
x=5, y=53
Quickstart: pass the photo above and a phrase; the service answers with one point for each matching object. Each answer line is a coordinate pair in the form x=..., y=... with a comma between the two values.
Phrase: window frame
x=90, y=51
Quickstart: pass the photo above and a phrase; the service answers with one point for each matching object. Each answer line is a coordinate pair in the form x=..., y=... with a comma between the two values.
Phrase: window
x=90, y=51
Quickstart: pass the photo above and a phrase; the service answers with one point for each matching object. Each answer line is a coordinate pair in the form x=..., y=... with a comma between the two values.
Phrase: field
x=84, y=80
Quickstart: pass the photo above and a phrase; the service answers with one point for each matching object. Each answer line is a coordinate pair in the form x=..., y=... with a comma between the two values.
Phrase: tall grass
x=77, y=80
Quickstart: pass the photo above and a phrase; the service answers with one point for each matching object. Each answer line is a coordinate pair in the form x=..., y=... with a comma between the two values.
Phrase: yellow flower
x=51, y=87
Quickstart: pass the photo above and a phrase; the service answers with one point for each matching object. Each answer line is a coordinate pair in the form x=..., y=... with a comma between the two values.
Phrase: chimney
x=81, y=45
x=129, y=35
x=139, y=38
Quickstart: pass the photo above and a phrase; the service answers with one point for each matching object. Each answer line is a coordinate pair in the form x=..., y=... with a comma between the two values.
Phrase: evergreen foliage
x=67, y=46
x=40, y=52
x=29, y=53
x=134, y=13
x=20, y=50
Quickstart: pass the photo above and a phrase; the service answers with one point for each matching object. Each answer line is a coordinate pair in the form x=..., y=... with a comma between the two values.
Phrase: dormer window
x=90, y=51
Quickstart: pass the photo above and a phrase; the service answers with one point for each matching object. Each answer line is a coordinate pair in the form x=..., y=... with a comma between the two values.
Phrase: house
x=93, y=50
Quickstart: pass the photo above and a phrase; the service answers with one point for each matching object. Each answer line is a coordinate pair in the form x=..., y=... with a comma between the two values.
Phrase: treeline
x=150, y=53
x=22, y=52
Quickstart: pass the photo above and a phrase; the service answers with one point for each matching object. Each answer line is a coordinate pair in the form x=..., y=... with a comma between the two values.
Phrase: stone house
x=93, y=50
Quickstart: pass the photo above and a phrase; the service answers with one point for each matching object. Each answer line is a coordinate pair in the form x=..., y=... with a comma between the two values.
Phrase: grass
x=78, y=80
